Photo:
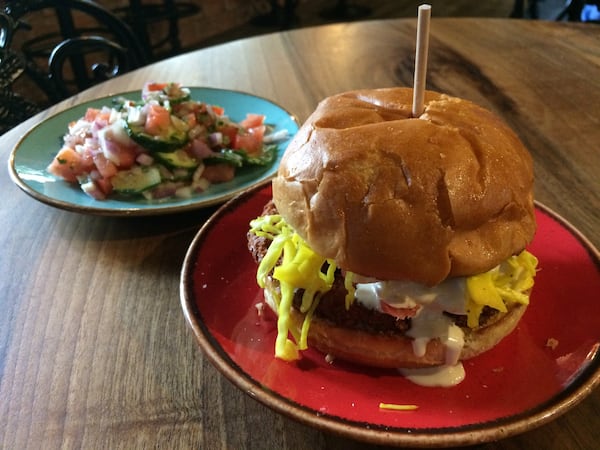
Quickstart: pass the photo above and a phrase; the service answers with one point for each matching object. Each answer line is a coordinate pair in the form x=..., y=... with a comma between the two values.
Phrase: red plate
x=520, y=384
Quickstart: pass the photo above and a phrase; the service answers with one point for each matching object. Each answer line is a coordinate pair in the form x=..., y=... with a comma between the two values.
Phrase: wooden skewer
x=422, y=48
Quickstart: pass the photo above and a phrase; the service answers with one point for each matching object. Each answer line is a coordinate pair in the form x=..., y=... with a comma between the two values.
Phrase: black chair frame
x=74, y=58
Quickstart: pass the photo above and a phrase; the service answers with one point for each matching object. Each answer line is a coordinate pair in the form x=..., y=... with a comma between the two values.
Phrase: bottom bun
x=396, y=350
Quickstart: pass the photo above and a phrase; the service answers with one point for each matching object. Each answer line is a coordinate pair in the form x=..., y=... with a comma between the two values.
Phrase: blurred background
x=52, y=49
x=217, y=21
x=221, y=21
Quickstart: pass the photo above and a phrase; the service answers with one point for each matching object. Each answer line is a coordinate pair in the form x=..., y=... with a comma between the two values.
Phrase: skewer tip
x=422, y=48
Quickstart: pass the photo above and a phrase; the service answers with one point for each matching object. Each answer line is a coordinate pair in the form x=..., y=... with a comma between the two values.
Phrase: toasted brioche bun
x=396, y=351
x=393, y=351
x=393, y=197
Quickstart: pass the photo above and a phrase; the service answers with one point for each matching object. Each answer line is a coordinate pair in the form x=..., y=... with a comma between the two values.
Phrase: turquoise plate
x=33, y=153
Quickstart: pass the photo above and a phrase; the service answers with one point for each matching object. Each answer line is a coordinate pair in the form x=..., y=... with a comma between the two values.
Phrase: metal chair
x=13, y=107
x=144, y=17
x=90, y=45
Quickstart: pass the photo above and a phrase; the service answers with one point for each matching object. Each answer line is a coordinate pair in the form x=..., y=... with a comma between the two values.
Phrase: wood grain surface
x=94, y=349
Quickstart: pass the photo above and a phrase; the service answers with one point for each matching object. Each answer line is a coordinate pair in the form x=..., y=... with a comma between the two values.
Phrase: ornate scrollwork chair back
x=86, y=45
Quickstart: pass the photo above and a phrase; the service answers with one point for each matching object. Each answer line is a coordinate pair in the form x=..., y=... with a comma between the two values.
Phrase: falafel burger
x=394, y=241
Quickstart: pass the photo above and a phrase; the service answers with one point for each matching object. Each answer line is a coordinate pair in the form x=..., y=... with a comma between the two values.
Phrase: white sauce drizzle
x=428, y=323
x=455, y=341
x=441, y=376
x=447, y=296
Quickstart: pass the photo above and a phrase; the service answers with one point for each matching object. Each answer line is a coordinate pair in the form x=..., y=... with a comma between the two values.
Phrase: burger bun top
x=389, y=196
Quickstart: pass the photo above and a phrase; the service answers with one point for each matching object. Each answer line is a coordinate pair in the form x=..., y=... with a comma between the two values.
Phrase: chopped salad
x=162, y=146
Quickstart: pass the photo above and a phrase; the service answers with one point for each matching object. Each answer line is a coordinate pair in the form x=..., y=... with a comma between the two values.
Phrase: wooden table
x=94, y=349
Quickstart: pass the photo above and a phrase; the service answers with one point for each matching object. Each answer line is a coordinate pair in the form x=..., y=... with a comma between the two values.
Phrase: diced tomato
x=152, y=86
x=121, y=152
x=230, y=132
x=400, y=313
x=69, y=164
x=250, y=142
x=258, y=132
x=128, y=157
x=100, y=116
x=218, y=173
x=91, y=114
x=123, y=156
x=105, y=167
x=218, y=110
x=252, y=120
x=158, y=119
x=103, y=184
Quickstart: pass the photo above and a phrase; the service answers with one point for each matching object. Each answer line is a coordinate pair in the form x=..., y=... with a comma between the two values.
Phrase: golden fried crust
x=393, y=197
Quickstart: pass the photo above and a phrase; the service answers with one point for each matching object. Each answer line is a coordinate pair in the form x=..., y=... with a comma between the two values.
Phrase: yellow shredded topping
x=350, y=289
x=302, y=268
x=507, y=283
x=396, y=407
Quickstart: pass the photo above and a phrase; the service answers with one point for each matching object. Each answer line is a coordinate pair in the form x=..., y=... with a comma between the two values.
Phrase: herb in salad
x=164, y=145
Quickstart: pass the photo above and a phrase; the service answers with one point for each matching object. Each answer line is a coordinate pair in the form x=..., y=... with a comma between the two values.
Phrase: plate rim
x=133, y=211
x=587, y=380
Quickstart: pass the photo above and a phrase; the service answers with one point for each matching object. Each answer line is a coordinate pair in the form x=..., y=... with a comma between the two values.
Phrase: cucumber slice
x=184, y=97
x=136, y=180
x=173, y=140
x=179, y=159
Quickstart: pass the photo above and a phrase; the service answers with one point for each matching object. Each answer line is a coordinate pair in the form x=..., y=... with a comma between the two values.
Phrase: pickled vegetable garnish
x=300, y=268
x=506, y=283
x=397, y=407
